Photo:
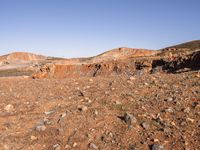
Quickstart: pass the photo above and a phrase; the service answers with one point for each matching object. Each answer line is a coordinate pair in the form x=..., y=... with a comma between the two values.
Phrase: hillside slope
x=192, y=45
x=21, y=56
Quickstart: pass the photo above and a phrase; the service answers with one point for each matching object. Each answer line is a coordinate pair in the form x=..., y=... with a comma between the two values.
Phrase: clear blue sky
x=74, y=28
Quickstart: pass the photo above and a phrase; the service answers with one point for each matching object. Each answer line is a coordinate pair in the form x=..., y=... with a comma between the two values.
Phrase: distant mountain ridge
x=114, y=54
x=22, y=56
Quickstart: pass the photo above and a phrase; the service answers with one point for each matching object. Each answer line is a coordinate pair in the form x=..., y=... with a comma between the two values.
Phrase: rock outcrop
x=128, y=67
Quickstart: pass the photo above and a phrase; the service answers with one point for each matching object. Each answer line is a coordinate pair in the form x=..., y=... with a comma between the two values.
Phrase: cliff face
x=113, y=62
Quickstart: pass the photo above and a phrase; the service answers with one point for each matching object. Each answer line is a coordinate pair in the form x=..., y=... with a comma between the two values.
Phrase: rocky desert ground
x=123, y=99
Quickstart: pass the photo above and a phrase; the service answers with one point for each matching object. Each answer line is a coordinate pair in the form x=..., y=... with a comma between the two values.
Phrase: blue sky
x=74, y=28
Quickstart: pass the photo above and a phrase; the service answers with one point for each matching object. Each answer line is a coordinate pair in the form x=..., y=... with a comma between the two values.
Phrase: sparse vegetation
x=14, y=72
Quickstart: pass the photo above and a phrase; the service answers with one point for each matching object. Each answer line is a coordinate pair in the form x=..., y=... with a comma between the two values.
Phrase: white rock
x=132, y=78
x=40, y=128
x=9, y=108
x=82, y=108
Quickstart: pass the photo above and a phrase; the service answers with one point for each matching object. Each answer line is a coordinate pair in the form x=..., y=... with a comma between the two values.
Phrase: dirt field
x=123, y=99
x=153, y=111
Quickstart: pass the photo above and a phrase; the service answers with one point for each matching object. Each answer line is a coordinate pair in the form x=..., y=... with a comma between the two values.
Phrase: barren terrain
x=124, y=99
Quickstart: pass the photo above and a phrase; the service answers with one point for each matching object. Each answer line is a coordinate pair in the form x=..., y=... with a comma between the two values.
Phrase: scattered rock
x=145, y=125
x=82, y=108
x=118, y=102
x=157, y=147
x=9, y=108
x=93, y=146
x=183, y=123
x=33, y=138
x=169, y=110
x=170, y=99
x=107, y=92
x=132, y=147
x=96, y=112
x=40, y=128
x=75, y=145
x=194, y=104
x=63, y=115
x=57, y=147
x=49, y=112
x=132, y=78
x=187, y=110
x=89, y=101
x=46, y=121
x=190, y=120
x=129, y=119
x=67, y=146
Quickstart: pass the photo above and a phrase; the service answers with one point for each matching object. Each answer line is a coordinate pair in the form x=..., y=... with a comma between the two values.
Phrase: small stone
x=33, y=138
x=170, y=99
x=49, y=112
x=169, y=110
x=107, y=92
x=157, y=147
x=194, y=104
x=130, y=82
x=46, y=121
x=132, y=147
x=187, y=110
x=96, y=112
x=40, y=128
x=63, y=115
x=197, y=106
x=145, y=125
x=75, y=145
x=93, y=146
x=198, y=124
x=173, y=123
x=6, y=147
x=57, y=147
x=110, y=134
x=67, y=146
x=132, y=78
x=190, y=120
x=155, y=140
x=91, y=80
x=129, y=119
x=183, y=123
x=82, y=108
x=89, y=101
x=9, y=108
x=118, y=102
x=167, y=131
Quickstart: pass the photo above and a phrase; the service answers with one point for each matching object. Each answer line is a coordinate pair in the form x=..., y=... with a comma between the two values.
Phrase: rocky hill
x=124, y=61
x=192, y=45
x=118, y=61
